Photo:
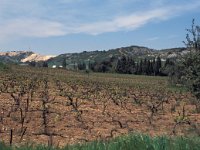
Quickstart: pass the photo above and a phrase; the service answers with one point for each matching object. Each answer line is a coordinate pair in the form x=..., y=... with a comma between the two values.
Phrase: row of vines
x=60, y=107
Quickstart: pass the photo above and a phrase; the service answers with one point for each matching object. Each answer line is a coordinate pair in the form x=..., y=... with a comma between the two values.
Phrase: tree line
x=127, y=65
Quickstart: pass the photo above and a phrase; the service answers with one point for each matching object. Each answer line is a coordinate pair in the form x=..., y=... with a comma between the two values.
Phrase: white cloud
x=41, y=23
x=133, y=21
x=30, y=28
x=130, y=22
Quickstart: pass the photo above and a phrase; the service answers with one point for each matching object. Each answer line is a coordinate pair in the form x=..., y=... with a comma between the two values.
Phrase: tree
x=140, y=70
x=45, y=64
x=169, y=67
x=121, y=65
x=157, y=66
x=81, y=66
x=32, y=63
x=137, y=68
x=64, y=64
x=151, y=67
x=193, y=38
x=148, y=68
x=132, y=67
x=188, y=69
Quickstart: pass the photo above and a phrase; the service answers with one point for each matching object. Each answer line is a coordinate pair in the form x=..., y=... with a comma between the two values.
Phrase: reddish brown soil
x=100, y=114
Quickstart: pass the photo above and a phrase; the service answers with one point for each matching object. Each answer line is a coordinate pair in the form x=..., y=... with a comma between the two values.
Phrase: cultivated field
x=58, y=107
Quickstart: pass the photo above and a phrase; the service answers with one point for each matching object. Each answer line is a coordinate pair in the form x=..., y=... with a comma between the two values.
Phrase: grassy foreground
x=131, y=142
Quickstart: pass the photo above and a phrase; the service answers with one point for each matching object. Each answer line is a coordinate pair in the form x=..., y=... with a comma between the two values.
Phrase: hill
x=136, y=52
x=14, y=56
x=22, y=57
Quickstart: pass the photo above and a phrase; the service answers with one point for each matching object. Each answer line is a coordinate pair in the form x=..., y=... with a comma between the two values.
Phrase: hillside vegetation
x=135, y=52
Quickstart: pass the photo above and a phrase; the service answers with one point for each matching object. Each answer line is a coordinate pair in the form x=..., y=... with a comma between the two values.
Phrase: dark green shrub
x=3, y=67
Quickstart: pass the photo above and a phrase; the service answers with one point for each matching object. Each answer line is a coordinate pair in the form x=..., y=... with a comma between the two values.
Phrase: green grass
x=179, y=89
x=131, y=142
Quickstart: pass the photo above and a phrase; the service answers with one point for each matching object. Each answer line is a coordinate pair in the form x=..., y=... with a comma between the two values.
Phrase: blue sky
x=62, y=26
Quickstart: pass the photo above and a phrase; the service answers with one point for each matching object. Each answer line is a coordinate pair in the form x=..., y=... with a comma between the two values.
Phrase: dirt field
x=58, y=107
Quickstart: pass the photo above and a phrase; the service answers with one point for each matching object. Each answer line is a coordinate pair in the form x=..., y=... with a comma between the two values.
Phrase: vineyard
x=56, y=107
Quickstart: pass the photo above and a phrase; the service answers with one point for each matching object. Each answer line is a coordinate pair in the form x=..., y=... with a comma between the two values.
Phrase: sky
x=65, y=26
